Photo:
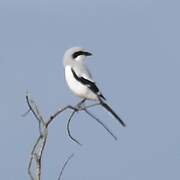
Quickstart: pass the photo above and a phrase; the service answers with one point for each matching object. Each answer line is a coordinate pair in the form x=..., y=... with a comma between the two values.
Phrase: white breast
x=78, y=88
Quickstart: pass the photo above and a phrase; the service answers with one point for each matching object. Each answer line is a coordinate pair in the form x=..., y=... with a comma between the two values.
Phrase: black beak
x=87, y=54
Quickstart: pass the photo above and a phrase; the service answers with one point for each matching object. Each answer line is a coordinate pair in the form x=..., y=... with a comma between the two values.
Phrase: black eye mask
x=78, y=53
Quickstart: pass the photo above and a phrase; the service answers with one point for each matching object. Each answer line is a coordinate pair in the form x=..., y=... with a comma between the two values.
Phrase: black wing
x=91, y=85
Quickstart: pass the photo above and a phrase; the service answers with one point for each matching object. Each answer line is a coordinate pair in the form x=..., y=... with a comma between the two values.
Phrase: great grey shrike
x=79, y=79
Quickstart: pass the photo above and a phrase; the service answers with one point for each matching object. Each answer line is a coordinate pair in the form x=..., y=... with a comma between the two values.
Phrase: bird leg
x=78, y=106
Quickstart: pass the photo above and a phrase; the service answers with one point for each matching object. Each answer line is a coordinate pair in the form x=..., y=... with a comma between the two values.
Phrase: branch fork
x=38, y=148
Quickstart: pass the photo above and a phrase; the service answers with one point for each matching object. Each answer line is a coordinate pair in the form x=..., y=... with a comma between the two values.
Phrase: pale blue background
x=136, y=62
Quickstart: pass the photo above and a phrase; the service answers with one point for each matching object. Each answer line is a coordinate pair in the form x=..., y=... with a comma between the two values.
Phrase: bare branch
x=58, y=112
x=33, y=107
x=68, y=129
x=101, y=123
x=38, y=148
x=40, y=143
x=90, y=106
x=26, y=113
x=65, y=164
x=32, y=157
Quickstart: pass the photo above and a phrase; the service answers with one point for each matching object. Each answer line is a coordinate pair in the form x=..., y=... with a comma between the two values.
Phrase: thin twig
x=89, y=106
x=58, y=112
x=101, y=123
x=65, y=164
x=68, y=129
x=26, y=113
x=33, y=108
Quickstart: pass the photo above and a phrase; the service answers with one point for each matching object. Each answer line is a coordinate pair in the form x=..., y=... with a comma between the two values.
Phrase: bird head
x=77, y=54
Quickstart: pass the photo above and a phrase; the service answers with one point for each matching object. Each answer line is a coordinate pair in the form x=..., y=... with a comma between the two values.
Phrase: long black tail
x=108, y=108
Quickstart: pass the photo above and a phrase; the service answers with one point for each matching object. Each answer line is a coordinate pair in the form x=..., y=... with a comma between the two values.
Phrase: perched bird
x=79, y=79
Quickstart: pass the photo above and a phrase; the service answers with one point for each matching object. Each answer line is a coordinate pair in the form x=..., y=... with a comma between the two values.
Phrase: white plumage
x=78, y=88
x=80, y=80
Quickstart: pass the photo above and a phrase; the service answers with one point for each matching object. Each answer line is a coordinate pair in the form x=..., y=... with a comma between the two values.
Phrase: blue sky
x=135, y=46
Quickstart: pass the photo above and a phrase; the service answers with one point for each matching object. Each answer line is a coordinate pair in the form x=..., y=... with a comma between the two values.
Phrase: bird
x=80, y=81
